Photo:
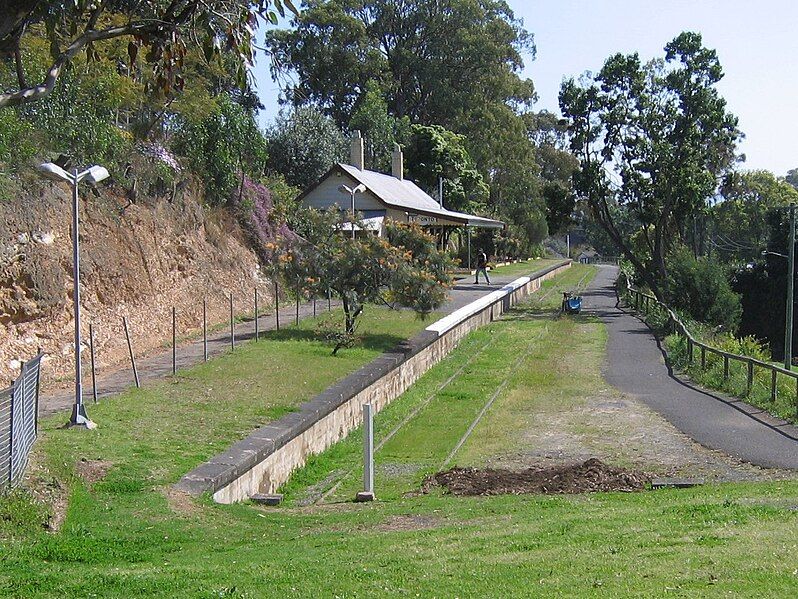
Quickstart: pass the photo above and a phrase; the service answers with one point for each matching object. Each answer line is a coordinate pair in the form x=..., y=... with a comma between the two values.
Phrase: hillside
x=138, y=260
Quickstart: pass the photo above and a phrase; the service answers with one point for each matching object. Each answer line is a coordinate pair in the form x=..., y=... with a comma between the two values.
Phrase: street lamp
x=94, y=174
x=352, y=191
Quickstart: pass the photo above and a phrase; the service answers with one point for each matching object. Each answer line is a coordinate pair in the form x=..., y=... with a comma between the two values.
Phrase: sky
x=757, y=44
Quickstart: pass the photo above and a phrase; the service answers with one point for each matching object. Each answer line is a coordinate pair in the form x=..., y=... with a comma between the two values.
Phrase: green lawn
x=128, y=535
x=524, y=268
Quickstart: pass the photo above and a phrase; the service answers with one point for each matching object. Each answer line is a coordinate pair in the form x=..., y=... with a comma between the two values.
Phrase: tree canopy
x=160, y=30
x=654, y=138
x=436, y=61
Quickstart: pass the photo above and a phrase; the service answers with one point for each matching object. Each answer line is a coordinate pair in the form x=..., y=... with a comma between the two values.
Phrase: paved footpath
x=635, y=365
x=158, y=365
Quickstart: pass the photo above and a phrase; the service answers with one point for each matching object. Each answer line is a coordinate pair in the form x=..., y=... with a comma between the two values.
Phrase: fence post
x=329, y=300
x=232, y=325
x=93, y=369
x=796, y=397
x=689, y=351
x=174, y=341
x=257, y=330
x=725, y=367
x=703, y=358
x=204, y=329
x=276, y=306
x=750, y=376
x=773, y=391
x=130, y=351
x=296, y=322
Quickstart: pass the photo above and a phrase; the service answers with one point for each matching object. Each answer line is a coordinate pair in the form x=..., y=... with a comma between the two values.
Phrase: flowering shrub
x=406, y=269
x=255, y=211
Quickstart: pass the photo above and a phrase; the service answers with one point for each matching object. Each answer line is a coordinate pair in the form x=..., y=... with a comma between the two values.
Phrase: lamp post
x=94, y=174
x=352, y=191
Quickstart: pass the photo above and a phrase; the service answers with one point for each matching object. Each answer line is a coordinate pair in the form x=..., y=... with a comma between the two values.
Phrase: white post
x=368, y=455
x=568, y=245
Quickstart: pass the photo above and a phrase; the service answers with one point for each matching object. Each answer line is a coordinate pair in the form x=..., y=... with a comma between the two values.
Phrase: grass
x=127, y=535
x=523, y=268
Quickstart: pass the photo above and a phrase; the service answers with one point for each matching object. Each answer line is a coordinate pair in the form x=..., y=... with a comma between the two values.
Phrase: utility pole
x=790, y=292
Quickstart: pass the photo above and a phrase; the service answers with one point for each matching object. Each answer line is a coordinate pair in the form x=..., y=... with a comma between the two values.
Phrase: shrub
x=700, y=287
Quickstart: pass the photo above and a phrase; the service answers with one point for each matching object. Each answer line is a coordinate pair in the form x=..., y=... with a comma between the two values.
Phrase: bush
x=700, y=287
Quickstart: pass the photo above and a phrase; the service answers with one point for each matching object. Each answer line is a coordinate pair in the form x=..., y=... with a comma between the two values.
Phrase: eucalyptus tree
x=159, y=30
x=655, y=139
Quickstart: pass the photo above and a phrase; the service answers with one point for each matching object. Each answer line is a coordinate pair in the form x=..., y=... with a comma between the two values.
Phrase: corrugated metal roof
x=406, y=195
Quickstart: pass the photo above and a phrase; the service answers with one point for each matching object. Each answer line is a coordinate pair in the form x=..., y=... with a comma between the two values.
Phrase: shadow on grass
x=381, y=342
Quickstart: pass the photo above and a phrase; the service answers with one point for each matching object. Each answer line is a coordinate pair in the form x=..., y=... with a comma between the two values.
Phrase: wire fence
x=19, y=408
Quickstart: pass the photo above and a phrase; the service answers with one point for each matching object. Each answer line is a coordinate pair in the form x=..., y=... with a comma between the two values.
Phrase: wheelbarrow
x=571, y=304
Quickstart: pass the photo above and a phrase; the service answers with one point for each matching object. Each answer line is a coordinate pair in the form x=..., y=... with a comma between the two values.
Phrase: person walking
x=482, y=265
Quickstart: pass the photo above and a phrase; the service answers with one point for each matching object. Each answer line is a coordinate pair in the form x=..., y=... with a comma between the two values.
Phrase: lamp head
x=52, y=171
x=95, y=174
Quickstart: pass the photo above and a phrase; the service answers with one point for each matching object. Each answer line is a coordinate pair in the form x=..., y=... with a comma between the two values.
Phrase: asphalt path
x=636, y=365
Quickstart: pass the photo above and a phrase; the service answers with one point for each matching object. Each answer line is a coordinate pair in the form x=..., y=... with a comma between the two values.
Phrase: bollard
x=367, y=494
x=204, y=329
x=257, y=331
x=130, y=351
x=93, y=371
x=174, y=341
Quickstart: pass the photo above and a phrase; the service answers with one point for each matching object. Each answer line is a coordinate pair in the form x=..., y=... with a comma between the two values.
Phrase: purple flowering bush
x=261, y=222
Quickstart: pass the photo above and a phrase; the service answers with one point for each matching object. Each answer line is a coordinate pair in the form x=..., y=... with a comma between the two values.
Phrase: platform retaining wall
x=264, y=461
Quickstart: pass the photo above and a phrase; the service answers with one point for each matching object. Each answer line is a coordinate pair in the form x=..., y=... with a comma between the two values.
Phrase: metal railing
x=19, y=408
x=642, y=301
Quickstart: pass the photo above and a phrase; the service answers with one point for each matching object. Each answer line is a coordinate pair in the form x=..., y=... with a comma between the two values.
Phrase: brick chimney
x=356, y=151
x=397, y=163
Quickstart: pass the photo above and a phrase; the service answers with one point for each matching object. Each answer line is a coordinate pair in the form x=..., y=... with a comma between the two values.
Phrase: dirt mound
x=588, y=477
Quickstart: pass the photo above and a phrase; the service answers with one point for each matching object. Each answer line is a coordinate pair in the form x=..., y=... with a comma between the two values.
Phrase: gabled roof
x=406, y=195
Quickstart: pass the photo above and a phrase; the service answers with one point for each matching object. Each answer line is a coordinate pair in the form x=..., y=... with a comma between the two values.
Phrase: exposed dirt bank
x=137, y=260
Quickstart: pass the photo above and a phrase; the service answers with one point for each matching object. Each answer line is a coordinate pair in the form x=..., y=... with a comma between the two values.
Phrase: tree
x=405, y=270
x=792, y=177
x=434, y=153
x=653, y=138
x=303, y=145
x=739, y=229
x=436, y=61
x=161, y=27
x=380, y=130
x=223, y=148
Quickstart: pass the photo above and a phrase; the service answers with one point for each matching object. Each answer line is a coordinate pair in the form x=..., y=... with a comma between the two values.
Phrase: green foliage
x=16, y=146
x=435, y=62
x=303, y=145
x=380, y=130
x=223, y=148
x=433, y=152
x=700, y=286
x=157, y=32
x=654, y=138
x=367, y=269
x=738, y=224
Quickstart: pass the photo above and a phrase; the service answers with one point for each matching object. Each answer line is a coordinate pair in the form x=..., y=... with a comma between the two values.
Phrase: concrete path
x=636, y=365
x=158, y=365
